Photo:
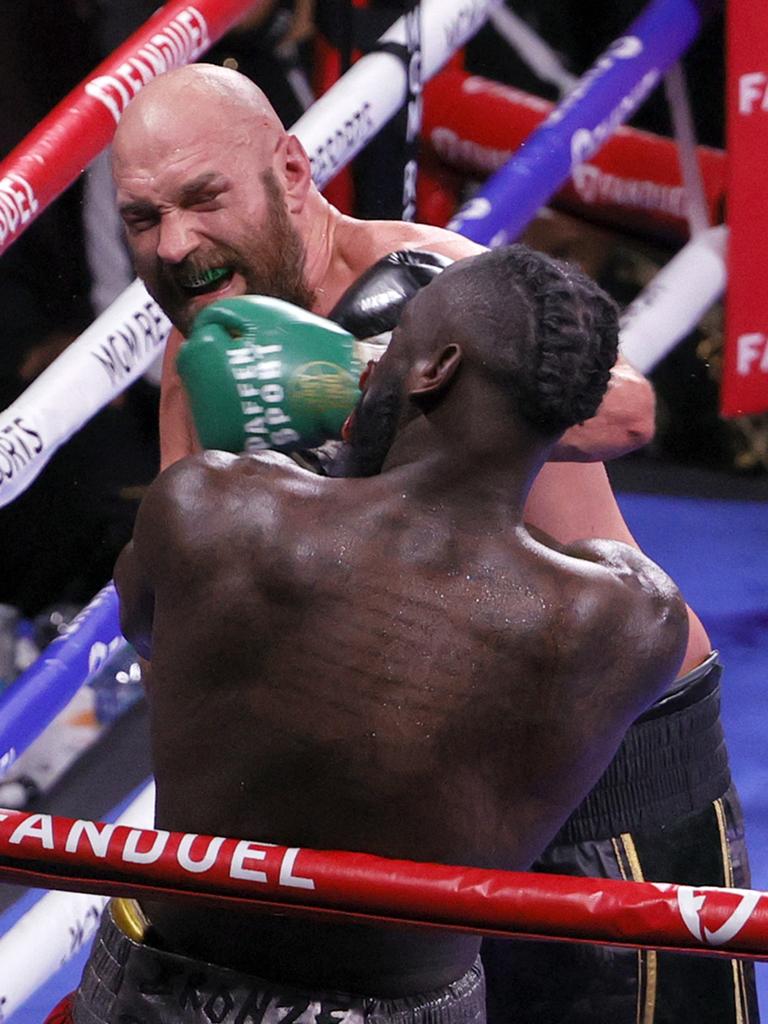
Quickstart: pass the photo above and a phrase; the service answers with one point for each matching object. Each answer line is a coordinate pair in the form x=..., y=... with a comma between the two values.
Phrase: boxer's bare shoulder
x=363, y=242
x=612, y=597
x=182, y=507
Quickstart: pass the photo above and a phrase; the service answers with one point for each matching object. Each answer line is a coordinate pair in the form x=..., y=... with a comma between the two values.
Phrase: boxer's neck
x=482, y=467
x=317, y=226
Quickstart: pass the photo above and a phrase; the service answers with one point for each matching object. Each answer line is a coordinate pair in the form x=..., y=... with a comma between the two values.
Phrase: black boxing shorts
x=665, y=810
x=130, y=982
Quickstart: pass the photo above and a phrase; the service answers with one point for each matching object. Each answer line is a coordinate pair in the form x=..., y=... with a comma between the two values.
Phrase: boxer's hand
x=263, y=374
x=371, y=307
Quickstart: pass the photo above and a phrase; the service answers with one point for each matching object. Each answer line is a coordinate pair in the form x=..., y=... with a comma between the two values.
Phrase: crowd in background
x=59, y=540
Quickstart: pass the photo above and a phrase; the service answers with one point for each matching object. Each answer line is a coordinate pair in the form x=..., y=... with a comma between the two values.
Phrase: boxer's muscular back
x=397, y=681
x=568, y=500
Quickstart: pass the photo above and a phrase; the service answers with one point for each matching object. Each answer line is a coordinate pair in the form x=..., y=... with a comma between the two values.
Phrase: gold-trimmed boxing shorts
x=665, y=810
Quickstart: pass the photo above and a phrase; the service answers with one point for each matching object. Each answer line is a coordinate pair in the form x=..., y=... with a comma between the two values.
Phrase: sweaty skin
x=174, y=133
x=422, y=679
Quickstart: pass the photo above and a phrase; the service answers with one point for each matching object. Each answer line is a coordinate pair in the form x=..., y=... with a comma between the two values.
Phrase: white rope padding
x=57, y=927
x=109, y=356
x=675, y=300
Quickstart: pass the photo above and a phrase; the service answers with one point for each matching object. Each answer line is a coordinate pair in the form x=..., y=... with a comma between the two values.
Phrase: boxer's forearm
x=177, y=433
x=624, y=421
x=573, y=500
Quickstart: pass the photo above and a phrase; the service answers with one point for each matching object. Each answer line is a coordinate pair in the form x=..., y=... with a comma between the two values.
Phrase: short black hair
x=546, y=332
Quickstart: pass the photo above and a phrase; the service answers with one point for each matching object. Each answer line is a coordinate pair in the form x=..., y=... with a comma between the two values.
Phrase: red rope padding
x=52, y=852
x=62, y=145
x=633, y=183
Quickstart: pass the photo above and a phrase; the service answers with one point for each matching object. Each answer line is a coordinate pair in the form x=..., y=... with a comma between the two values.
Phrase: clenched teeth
x=204, y=280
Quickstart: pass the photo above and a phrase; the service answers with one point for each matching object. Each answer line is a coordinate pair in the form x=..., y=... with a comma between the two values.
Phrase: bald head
x=194, y=101
x=212, y=191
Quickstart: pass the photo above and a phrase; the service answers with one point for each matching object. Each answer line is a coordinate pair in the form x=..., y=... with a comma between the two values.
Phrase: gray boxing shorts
x=129, y=982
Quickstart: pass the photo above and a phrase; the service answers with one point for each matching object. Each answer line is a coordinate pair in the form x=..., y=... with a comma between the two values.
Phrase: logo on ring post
x=692, y=901
x=586, y=141
x=477, y=208
x=625, y=48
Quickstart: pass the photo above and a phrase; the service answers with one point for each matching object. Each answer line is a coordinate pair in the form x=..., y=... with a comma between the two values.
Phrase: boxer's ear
x=295, y=173
x=431, y=374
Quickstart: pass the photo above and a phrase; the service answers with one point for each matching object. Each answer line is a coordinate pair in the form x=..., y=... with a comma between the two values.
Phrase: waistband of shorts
x=126, y=979
x=672, y=762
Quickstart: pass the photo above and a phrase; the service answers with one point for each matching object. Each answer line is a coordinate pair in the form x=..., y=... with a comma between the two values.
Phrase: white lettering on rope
x=145, y=331
x=206, y=861
x=18, y=203
x=36, y=826
x=625, y=48
x=121, y=845
x=133, y=855
x=182, y=40
x=691, y=901
x=585, y=141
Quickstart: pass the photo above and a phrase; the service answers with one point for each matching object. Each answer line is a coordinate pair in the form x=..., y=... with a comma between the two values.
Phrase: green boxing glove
x=262, y=374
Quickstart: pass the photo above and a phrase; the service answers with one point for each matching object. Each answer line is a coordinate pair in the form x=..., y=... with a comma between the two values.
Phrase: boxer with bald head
x=422, y=679
x=218, y=201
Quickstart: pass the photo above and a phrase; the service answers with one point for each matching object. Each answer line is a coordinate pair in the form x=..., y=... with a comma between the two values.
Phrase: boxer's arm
x=651, y=617
x=178, y=437
x=626, y=628
x=573, y=500
x=160, y=526
x=624, y=421
x=137, y=600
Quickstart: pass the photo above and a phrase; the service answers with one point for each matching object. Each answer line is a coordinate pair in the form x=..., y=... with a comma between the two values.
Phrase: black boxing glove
x=370, y=308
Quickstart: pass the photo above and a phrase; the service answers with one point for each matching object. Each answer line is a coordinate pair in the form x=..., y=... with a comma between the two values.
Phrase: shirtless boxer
x=421, y=679
x=217, y=201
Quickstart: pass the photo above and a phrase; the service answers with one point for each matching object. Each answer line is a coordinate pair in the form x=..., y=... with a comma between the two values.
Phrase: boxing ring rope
x=633, y=183
x=577, y=127
x=683, y=290
x=34, y=699
x=43, y=850
x=56, y=926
